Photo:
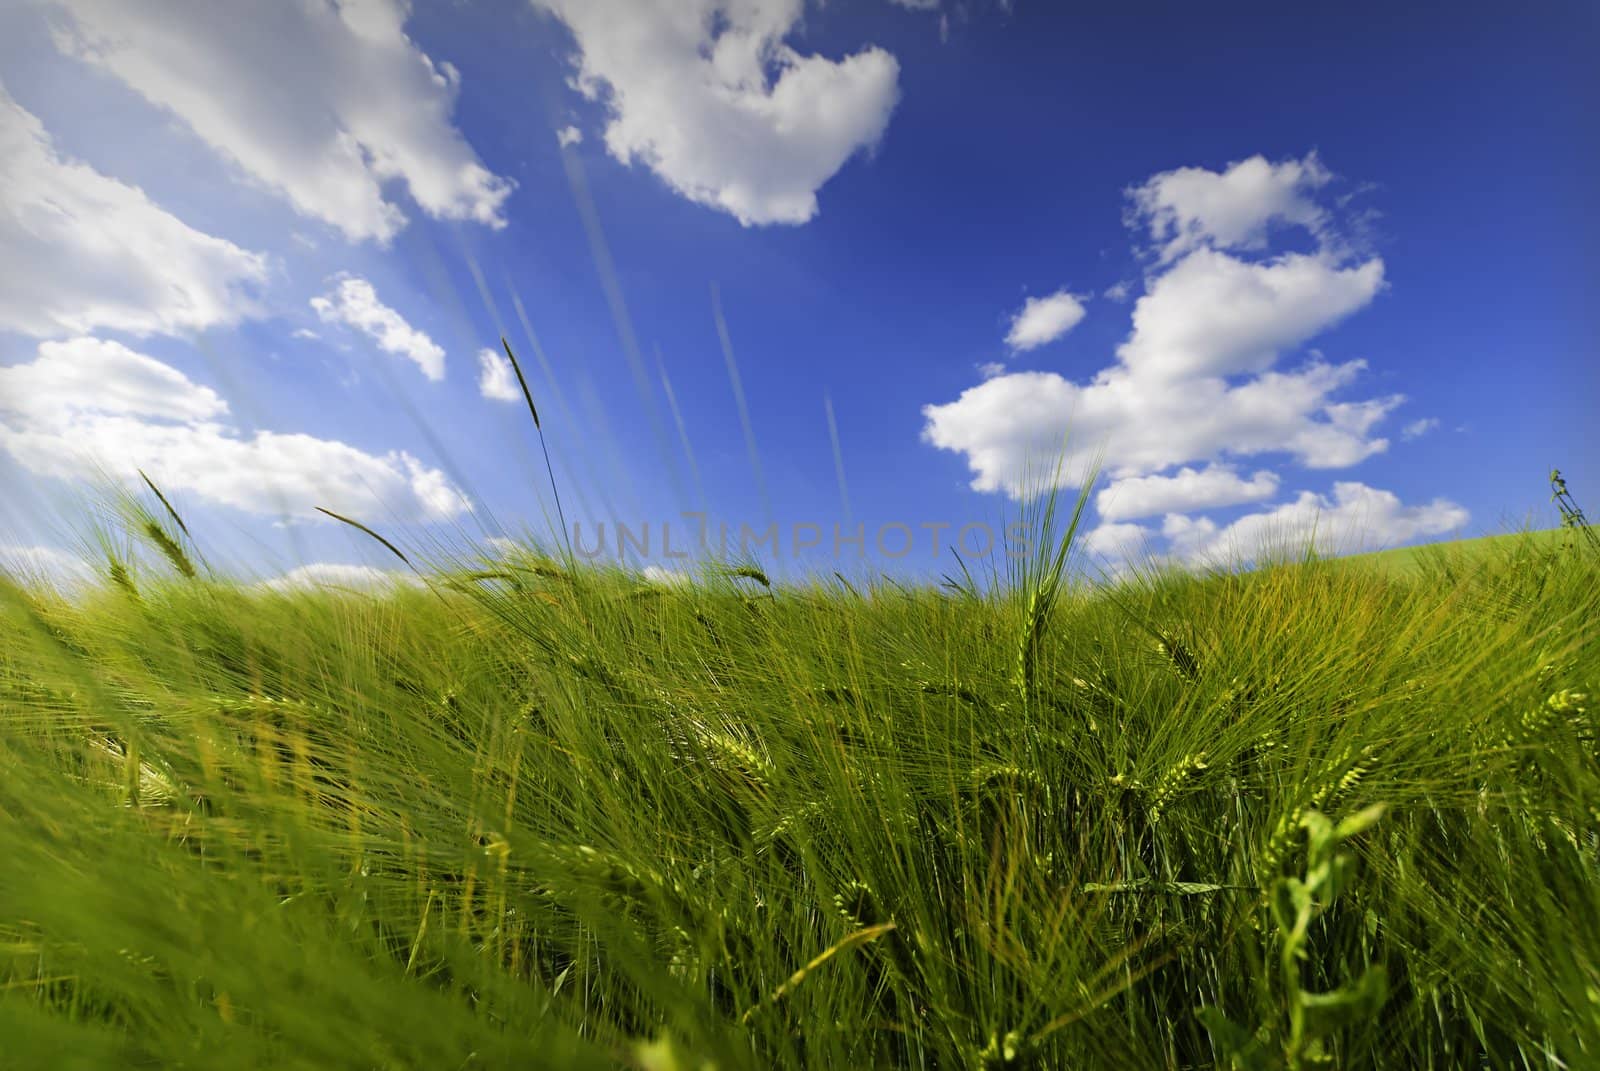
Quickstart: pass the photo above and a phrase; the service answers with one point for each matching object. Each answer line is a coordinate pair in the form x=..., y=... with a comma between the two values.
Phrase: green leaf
x=1319, y=835
x=1341, y=873
x=1240, y=1048
x=1360, y=822
x=1291, y=898
x=1335, y=1010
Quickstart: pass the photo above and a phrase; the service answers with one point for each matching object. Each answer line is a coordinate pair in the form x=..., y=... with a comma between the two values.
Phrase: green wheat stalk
x=363, y=528
x=537, y=426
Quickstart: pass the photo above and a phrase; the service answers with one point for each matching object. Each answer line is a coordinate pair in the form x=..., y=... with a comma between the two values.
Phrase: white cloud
x=323, y=102
x=495, y=377
x=304, y=333
x=1212, y=314
x=93, y=375
x=1355, y=518
x=663, y=577
x=80, y=250
x=1014, y=424
x=708, y=96
x=1044, y=319
x=315, y=575
x=917, y=5
x=1117, y=292
x=355, y=303
x=1115, y=541
x=1195, y=380
x=85, y=408
x=1192, y=207
x=569, y=135
x=1418, y=428
x=47, y=566
x=1184, y=491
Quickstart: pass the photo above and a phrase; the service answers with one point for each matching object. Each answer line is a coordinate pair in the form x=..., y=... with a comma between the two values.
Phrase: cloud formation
x=1042, y=320
x=1185, y=490
x=81, y=251
x=1012, y=424
x=1190, y=207
x=314, y=575
x=1213, y=314
x=1354, y=518
x=1196, y=384
x=496, y=380
x=1115, y=540
x=354, y=303
x=708, y=96
x=139, y=412
x=1195, y=380
x=323, y=102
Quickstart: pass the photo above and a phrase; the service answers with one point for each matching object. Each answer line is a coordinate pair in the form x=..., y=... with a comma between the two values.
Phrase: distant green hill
x=1409, y=559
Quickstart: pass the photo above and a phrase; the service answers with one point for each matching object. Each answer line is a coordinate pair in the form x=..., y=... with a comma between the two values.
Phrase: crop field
x=798, y=535
x=1444, y=556
x=529, y=814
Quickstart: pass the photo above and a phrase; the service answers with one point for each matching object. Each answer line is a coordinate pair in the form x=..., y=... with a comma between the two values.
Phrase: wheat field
x=527, y=813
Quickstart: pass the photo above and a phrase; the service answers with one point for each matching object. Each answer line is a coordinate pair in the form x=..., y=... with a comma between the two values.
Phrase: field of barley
x=535, y=814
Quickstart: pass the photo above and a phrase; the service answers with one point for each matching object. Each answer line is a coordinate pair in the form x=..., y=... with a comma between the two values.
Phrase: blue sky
x=1279, y=271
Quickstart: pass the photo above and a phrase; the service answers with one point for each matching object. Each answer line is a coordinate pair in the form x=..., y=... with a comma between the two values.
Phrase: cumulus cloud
x=315, y=575
x=663, y=577
x=707, y=94
x=1115, y=540
x=1215, y=315
x=1355, y=518
x=495, y=377
x=1173, y=395
x=1195, y=381
x=355, y=303
x=90, y=374
x=1011, y=425
x=86, y=408
x=1184, y=491
x=1042, y=320
x=80, y=250
x=569, y=135
x=1190, y=207
x=323, y=102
